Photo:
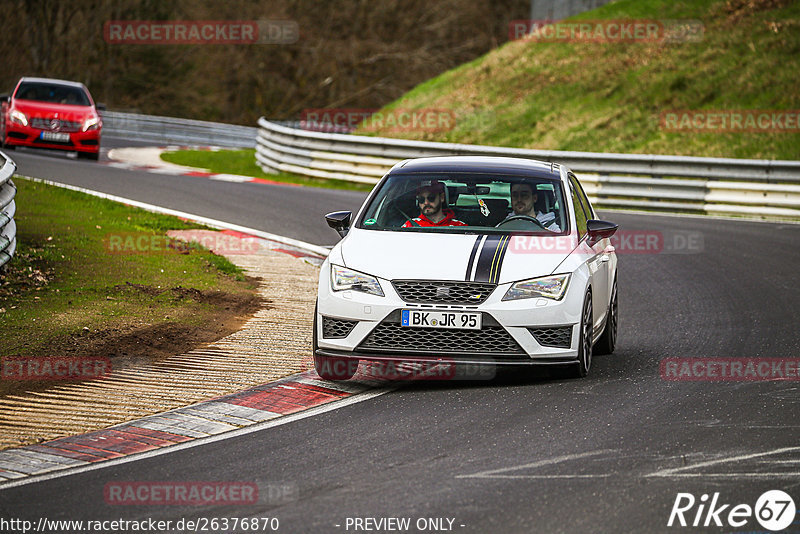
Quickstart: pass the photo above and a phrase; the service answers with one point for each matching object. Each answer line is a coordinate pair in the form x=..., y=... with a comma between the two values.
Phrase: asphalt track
x=289, y=211
x=519, y=453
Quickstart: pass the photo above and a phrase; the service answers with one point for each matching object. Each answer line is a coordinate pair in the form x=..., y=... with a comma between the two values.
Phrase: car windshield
x=467, y=203
x=52, y=93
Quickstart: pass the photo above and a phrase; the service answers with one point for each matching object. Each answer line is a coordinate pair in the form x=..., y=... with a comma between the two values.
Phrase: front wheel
x=608, y=339
x=581, y=369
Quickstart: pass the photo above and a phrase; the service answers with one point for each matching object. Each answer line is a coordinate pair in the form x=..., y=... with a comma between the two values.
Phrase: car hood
x=32, y=109
x=439, y=256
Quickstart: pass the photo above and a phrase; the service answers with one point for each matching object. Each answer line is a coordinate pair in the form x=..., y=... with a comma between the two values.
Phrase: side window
x=584, y=200
x=580, y=216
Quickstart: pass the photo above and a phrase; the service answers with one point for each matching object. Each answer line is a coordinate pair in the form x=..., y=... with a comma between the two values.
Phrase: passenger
x=523, y=202
x=430, y=197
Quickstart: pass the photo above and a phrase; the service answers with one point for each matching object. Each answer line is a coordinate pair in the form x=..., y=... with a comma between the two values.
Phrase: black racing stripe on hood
x=487, y=257
x=472, y=257
x=497, y=264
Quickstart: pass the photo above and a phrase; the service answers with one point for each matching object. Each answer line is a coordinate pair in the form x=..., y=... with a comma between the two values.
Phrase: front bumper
x=513, y=322
x=458, y=359
x=18, y=135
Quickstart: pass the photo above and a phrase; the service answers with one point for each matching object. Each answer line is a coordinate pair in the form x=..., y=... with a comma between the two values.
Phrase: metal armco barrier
x=171, y=130
x=8, y=229
x=639, y=181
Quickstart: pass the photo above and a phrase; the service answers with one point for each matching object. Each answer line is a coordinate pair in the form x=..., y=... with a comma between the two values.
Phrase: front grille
x=62, y=126
x=560, y=336
x=336, y=328
x=389, y=336
x=443, y=292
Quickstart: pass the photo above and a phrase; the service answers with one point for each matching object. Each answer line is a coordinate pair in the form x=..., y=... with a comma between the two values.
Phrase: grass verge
x=66, y=294
x=242, y=162
x=611, y=96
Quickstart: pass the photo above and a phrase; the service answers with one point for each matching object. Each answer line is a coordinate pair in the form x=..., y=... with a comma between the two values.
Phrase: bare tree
x=351, y=53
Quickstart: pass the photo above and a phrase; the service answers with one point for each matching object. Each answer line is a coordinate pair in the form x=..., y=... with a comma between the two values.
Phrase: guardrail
x=639, y=181
x=8, y=229
x=170, y=130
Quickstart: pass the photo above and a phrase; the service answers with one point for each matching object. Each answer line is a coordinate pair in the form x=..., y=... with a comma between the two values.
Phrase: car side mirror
x=100, y=107
x=339, y=221
x=598, y=230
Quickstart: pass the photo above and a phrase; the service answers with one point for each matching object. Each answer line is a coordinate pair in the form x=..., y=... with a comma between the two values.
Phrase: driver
x=523, y=202
x=430, y=198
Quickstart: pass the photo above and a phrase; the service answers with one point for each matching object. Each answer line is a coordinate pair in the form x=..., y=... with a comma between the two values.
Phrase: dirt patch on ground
x=153, y=341
x=16, y=279
x=135, y=343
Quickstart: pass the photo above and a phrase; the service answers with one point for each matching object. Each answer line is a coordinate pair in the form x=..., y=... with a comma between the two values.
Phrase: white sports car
x=468, y=260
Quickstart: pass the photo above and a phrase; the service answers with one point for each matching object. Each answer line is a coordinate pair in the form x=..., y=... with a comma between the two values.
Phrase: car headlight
x=343, y=278
x=91, y=124
x=551, y=287
x=19, y=117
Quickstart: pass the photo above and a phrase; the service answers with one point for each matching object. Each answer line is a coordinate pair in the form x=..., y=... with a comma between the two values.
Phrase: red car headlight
x=18, y=117
x=92, y=123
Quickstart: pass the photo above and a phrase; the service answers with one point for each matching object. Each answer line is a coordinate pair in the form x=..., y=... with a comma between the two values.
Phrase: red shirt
x=448, y=220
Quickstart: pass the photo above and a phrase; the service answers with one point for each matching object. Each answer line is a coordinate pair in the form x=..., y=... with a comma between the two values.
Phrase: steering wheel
x=521, y=218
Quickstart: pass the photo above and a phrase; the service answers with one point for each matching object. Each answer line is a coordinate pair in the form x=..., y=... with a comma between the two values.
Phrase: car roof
x=480, y=164
x=53, y=81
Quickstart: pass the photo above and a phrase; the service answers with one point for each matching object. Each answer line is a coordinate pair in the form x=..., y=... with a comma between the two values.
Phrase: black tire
x=330, y=368
x=581, y=369
x=94, y=156
x=608, y=339
x=6, y=146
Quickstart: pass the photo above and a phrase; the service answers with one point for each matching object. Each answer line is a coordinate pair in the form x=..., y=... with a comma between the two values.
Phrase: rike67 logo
x=774, y=510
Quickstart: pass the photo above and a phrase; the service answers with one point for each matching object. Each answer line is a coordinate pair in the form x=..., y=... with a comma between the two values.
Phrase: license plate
x=55, y=136
x=441, y=319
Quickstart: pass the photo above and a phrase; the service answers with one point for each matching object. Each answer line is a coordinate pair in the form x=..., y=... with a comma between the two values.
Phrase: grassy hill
x=609, y=97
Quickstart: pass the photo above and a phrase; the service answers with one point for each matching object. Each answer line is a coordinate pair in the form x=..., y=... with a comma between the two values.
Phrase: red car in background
x=48, y=113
